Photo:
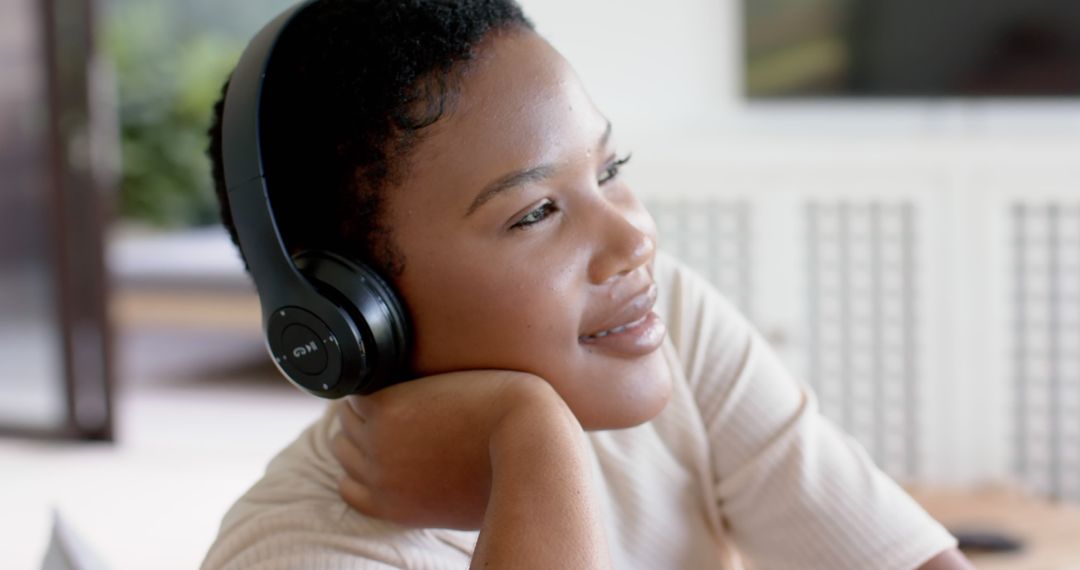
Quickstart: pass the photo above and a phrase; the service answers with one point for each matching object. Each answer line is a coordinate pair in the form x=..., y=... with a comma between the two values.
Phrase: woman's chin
x=634, y=397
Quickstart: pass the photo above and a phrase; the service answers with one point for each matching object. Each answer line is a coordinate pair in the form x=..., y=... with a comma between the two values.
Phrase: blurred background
x=889, y=189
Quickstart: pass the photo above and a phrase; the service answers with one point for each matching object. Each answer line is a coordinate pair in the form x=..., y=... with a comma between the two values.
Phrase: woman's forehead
x=520, y=104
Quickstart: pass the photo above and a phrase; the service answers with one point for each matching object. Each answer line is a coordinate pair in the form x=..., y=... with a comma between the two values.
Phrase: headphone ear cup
x=376, y=313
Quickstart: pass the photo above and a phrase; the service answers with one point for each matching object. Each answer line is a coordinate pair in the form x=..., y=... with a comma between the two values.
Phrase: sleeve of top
x=793, y=490
x=292, y=537
x=293, y=518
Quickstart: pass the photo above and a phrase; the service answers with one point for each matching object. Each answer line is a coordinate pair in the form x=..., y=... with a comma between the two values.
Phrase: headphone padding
x=375, y=309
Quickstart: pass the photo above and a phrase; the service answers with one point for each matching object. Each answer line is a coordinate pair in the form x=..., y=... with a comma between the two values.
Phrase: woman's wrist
x=542, y=511
x=535, y=424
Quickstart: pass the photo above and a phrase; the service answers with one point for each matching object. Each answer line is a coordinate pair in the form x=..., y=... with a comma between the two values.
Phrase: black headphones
x=333, y=325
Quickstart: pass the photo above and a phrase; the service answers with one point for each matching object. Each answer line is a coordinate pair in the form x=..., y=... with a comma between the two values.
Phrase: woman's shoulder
x=703, y=325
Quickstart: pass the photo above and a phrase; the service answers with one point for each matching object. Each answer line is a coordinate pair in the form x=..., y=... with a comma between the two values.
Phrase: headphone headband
x=332, y=325
x=245, y=177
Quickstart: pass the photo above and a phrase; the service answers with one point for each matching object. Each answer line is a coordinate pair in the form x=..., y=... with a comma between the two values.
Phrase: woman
x=582, y=400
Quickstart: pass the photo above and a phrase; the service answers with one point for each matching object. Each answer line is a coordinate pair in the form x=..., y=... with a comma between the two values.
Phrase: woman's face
x=523, y=248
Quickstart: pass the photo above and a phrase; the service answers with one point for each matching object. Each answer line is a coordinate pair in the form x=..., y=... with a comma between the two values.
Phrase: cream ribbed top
x=739, y=465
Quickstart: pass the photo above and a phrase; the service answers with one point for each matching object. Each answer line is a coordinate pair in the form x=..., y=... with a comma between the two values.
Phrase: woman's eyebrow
x=524, y=176
x=514, y=179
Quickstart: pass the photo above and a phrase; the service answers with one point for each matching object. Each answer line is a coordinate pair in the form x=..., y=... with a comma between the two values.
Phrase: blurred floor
x=199, y=412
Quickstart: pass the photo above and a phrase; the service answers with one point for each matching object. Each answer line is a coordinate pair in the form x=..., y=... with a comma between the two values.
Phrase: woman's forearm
x=542, y=511
x=949, y=560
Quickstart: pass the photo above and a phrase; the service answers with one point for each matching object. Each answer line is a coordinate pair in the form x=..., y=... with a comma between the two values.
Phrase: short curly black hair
x=350, y=88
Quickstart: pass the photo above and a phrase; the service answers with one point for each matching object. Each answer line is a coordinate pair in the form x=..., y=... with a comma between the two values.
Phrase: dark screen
x=912, y=48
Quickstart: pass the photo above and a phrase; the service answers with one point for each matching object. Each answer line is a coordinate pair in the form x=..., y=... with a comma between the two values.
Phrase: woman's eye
x=612, y=171
x=535, y=216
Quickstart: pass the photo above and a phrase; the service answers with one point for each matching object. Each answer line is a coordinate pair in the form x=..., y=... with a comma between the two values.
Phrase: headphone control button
x=304, y=349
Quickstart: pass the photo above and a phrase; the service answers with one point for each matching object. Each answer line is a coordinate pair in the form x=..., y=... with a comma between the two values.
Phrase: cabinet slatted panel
x=863, y=359
x=714, y=238
x=1045, y=333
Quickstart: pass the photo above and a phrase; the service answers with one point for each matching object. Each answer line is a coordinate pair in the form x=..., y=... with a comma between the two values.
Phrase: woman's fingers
x=356, y=495
x=350, y=447
x=353, y=423
x=351, y=457
x=359, y=405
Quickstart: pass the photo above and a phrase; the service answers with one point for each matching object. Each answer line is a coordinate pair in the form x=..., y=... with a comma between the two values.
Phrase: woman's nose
x=624, y=244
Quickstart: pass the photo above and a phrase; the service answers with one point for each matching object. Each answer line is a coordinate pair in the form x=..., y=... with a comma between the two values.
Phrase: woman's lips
x=636, y=338
x=632, y=328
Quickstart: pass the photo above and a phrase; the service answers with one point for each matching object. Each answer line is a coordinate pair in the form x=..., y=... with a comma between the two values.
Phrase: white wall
x=651, y=64
x=674, y=68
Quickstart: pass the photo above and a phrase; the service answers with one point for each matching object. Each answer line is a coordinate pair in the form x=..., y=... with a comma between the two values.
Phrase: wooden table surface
x=1049, y=531
x=186, y=309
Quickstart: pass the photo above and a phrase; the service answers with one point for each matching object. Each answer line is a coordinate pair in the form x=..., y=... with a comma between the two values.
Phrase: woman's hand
x=419, y=453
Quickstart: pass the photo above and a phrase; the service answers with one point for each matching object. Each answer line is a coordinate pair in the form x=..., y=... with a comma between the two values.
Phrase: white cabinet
x=928, y=288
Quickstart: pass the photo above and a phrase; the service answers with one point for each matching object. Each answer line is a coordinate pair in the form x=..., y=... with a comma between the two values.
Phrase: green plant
x=167, y=84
